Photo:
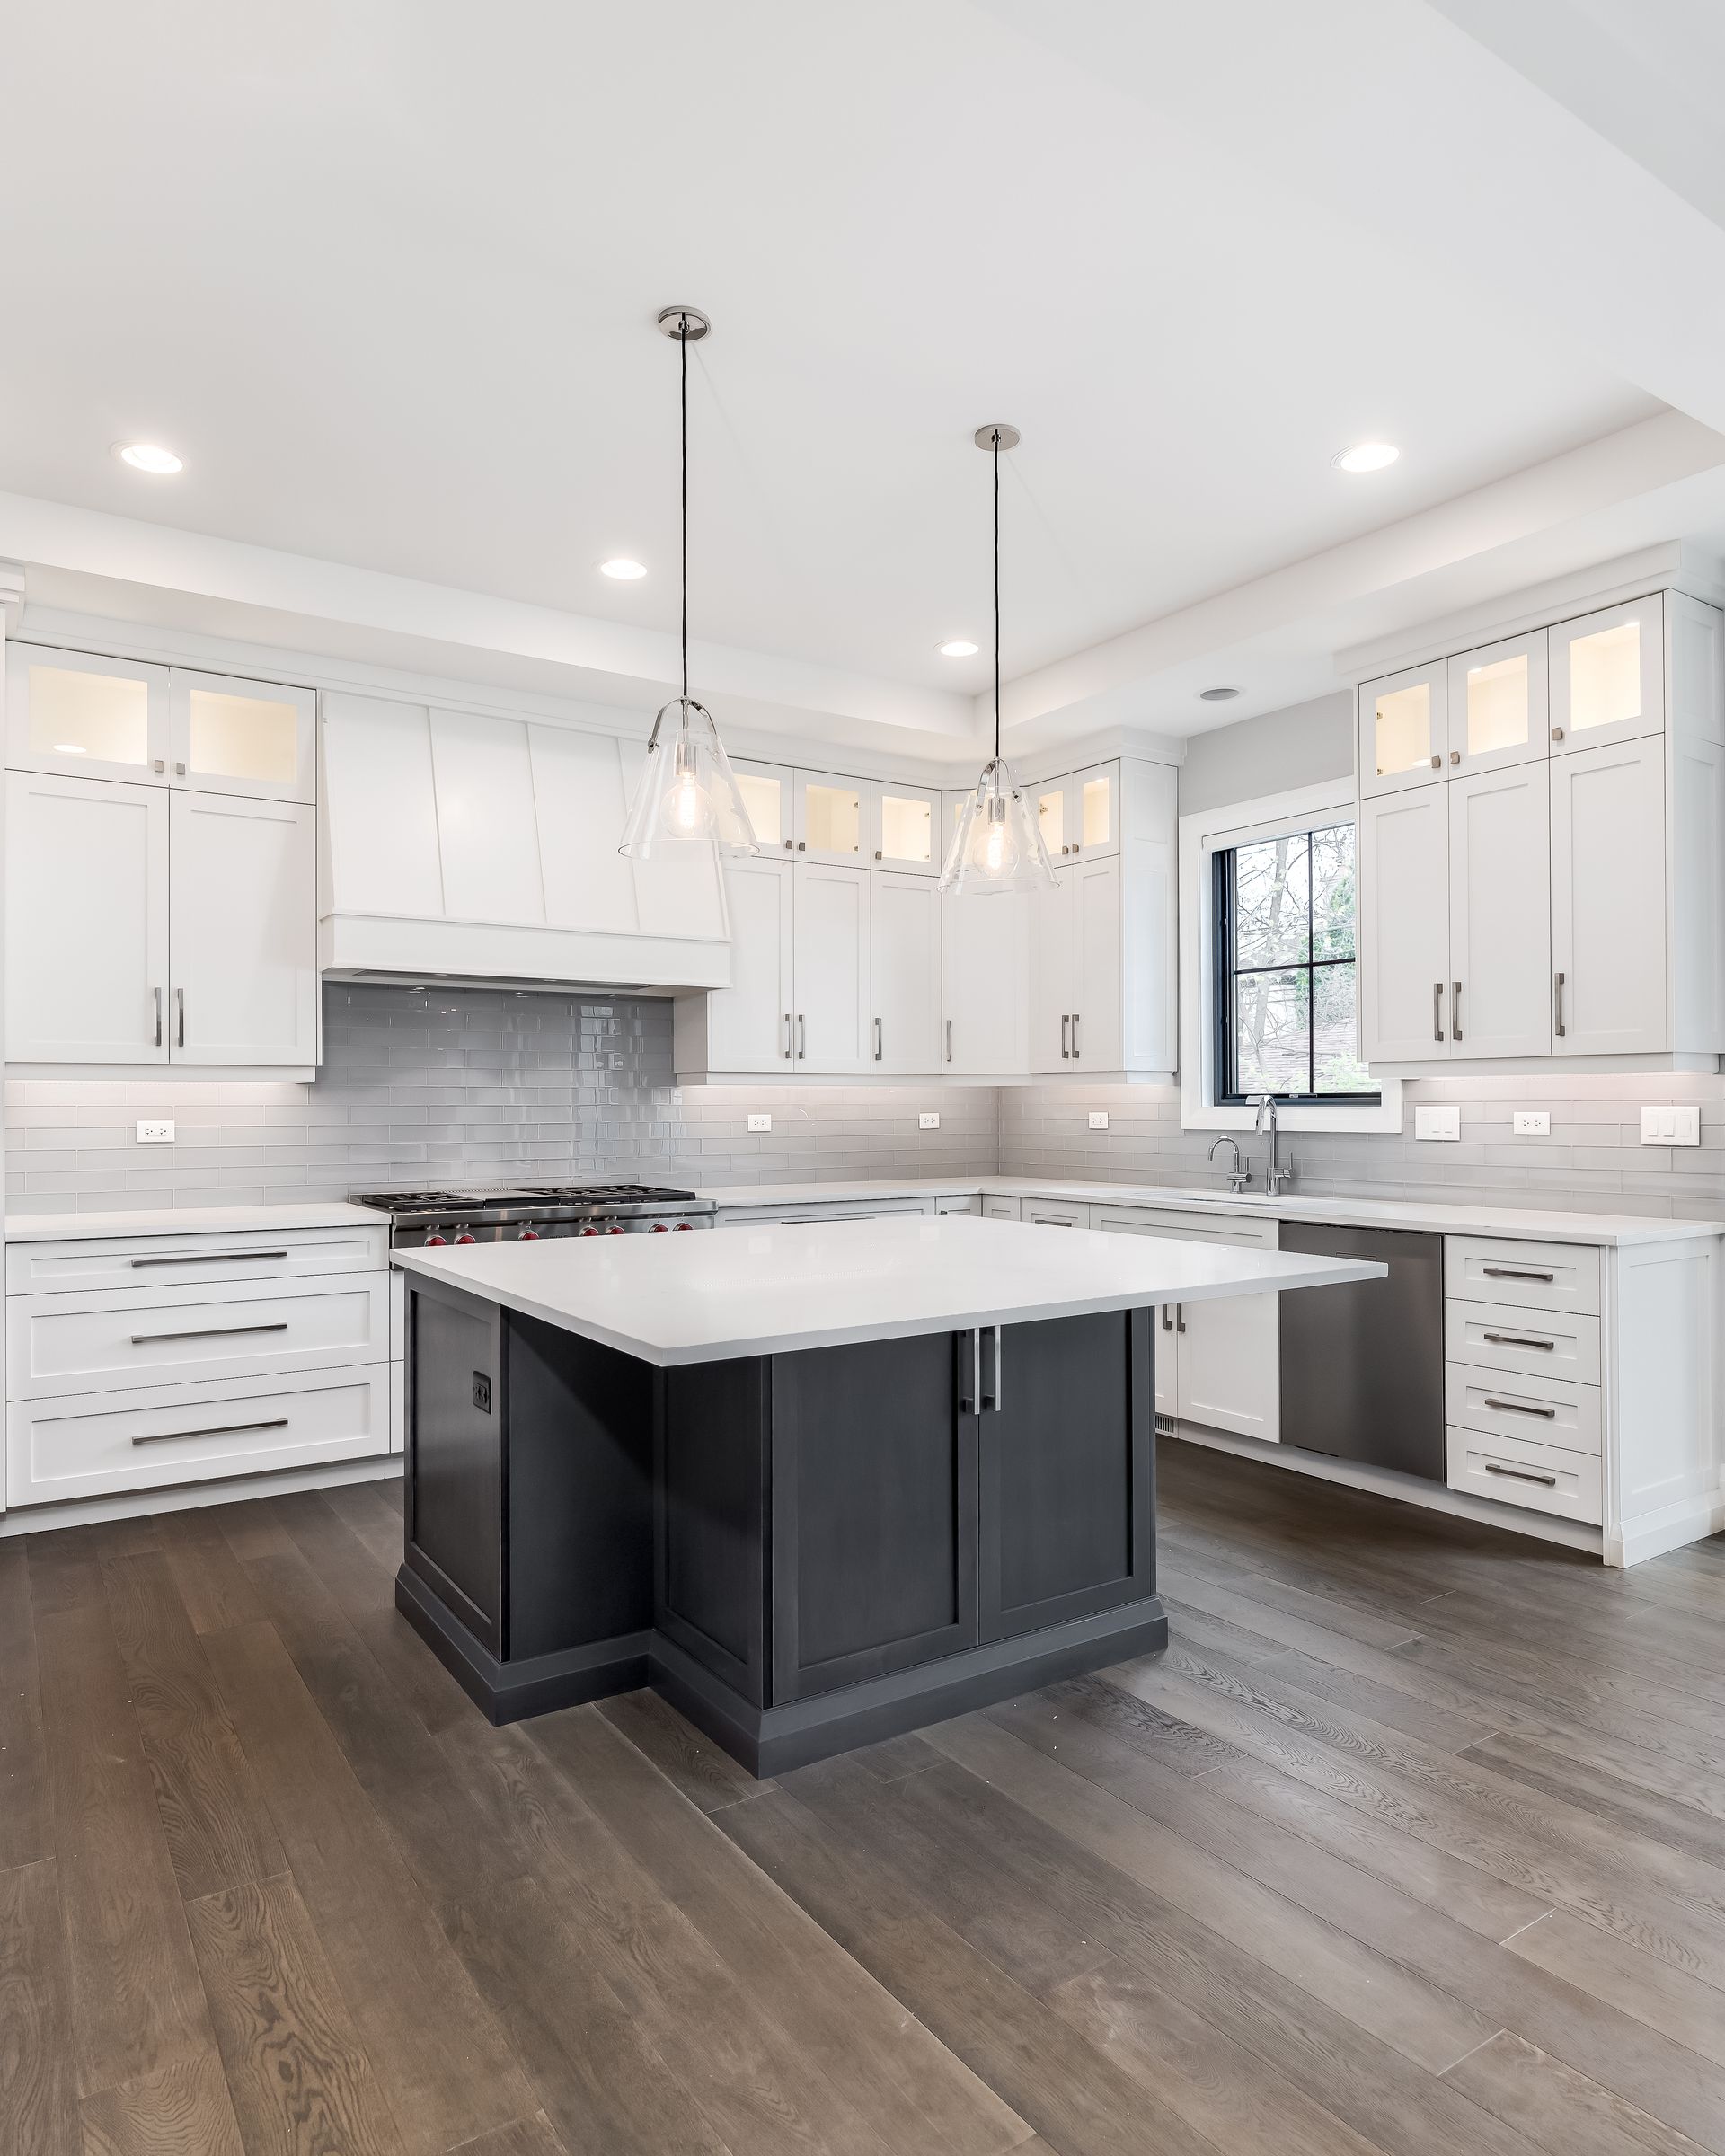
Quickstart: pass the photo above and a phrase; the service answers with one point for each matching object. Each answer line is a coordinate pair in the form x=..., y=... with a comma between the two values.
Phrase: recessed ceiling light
x=623, y=569
x=1365, y=457
x=1217, y=695
x=960, y=647
x=148, y=456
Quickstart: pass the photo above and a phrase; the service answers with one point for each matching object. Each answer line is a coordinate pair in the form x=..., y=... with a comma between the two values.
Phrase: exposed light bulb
x=995, y=851
x=687, y=812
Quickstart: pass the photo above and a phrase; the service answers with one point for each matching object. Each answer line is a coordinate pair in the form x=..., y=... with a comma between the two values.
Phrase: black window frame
x=1225, y=1089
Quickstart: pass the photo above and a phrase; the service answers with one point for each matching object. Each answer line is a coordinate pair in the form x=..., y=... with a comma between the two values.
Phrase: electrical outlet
x=156, y=1134
x=1533, y=1123
x=1671, y=1126
x=928, y=1122
x=1438, y=1123
x=760, y=1122
x=1099, y=1118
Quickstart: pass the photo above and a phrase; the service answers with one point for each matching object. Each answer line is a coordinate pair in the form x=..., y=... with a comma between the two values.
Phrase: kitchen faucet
x=1239, y=1176
x=1273, y=1177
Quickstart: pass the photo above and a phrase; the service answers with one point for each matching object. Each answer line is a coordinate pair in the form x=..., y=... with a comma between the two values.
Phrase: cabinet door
x=1403, y=722
x=905, y=973
x=1067, y=1529
x=749, y=1024
x=94, y=718
x=242, y=928
x=1096, y=972
x=831, y=974
x=243, y=736
x=1608, y=892
x=487, y=833
x=1080, y=814
x=578, y=805
x=906, y=825
x=86, y=921
x=1229, y=1372
x=1500, y=912
x=1498, y=708
x=830, y=817
x=1052, y=983
x=1404, y=926
x=985, y=965
x=769, y=791
x=1608, y=677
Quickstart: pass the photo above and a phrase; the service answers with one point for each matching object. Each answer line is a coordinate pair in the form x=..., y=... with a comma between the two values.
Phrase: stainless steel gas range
x=427, y=1217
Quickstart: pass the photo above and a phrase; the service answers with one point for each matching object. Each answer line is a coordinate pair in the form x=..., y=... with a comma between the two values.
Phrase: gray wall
x=1302, y=746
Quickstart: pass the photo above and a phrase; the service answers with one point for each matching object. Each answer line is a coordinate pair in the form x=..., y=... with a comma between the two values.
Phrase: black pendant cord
x=683, y=399
x=997, y=594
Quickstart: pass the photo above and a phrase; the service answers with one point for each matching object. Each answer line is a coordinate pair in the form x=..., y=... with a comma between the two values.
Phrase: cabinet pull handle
x=972, y=1405
x=158, y=1018
x=1167, y=1317
x=1557, y=1005
x=949, y=1040
x=1066, y=1053
x=986, y=1401
x=179, y=997
x=1520, y=1406
x=206, y=1258
x=205, y=1332
x=802, y=1038
x=216, y=1429
x=1517, y=1340
x=787, y=1019
x=1518, y=1474
x=1456, y=1011
x=1436, y=763
x=877, y=1040
x=1436, y=1010
x=1075, y=1036
x=1179, y=1317
x=1516, y=1272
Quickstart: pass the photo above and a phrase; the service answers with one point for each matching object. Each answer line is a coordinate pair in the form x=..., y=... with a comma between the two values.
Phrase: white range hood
x=460, y=845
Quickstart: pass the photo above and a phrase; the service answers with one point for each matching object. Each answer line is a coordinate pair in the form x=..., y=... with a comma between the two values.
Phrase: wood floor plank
x=38, y=2102
x=1680, y=2006
x=218, y=1826
x=371, y=1516
x=534, y=2136
x=171, y=2112
x=212, y=1587
x=692, y=1763
x=1563, y=2111
x=1640, y=1812
x=295, y=2070
x=25, y=1837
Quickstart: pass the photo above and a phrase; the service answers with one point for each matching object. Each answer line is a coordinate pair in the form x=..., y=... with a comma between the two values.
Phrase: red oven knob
x=661, y=1226
x=589, y=1230
x=435, y=1238
x=684, y=1226
x=529, y=1235
x=466, y=1235
x=616, y=1230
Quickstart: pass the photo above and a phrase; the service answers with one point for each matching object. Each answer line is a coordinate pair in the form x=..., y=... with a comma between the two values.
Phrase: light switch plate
x=1533, y=1123
x=760, y=1122
x=156, y=1134
x=928, y=1122
x=1099, y=1118
x=1438, y=1123
x=1668, y=1125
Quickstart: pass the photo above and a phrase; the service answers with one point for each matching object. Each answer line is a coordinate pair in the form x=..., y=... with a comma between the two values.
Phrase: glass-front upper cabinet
x=1499, y=710
x=99, y=718
x=250, y=737
x=906, y=829
x=767, y=789
x=1080, y=813
x=1608, y=677
x=1404, y=729
x=831, y=818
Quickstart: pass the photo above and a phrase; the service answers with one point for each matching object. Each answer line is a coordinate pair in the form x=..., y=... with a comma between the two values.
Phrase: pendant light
x=998, y=845
x=688, y=794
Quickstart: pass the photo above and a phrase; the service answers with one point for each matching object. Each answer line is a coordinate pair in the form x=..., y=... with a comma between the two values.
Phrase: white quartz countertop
x=190, y=1220
x=677, y=1299
x=1606, y=1229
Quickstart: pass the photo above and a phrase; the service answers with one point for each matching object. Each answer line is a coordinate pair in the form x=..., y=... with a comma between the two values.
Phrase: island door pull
x=972, y=1404
x=984, y=1401
x=1179, y=1317
x=1167, y=1317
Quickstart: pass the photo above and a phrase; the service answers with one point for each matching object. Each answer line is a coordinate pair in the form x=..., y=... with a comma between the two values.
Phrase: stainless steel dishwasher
x=1363, y=1365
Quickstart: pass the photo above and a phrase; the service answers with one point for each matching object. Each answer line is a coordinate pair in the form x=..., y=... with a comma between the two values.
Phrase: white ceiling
x=386, y=275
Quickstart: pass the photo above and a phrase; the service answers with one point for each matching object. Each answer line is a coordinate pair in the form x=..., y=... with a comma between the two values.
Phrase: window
x=1286, y=992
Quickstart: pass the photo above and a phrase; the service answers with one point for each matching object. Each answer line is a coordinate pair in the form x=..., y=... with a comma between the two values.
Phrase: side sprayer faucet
x=1239, y=1175
x=1273, y=1177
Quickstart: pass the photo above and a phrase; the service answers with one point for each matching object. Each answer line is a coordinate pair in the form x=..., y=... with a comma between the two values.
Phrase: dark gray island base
x=802, y=1551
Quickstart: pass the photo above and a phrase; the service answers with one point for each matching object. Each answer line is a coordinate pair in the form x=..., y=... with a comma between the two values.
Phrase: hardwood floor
x=1413, y=1842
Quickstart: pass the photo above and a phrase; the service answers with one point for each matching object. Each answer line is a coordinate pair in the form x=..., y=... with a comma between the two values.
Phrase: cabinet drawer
x=76, y=1343
x=85, y=1445
x=1003, y=1208
x=1543, y=1411
x=1544, y=1478
x=1534, y=1276
x=1496, y=1336
x=34, y=1268
x=1192, y=1227
x=1047, y=1213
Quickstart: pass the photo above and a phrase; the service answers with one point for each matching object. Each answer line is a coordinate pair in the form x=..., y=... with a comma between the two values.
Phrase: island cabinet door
x=1067, y=1470
x=874, y=1510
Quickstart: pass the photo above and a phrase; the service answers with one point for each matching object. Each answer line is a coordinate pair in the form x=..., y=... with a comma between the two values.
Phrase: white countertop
x=190, y=1220
x=1606, y=1229
x=678, y=1299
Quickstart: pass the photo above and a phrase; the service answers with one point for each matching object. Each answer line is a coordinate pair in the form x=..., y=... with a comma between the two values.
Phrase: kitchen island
x=818, y=1484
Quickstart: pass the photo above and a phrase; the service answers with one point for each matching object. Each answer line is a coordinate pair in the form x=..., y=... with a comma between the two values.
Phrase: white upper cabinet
x=905, y=974
x=1080, y=814
x=830, y=818
x=1608, y=677
x=769, y=795
x=830, y=998
x=1404, y=729
x=1404, y=929
x=249, y=737
x=904, y=828
x=86, y=921
x=1608, y=901
x=986, y=966
x=1051, y=984
x=93, y=717
x=1076, y=979
x=243, y=931
x=1500, y=912
x=1498, y=706
x=751, y=1025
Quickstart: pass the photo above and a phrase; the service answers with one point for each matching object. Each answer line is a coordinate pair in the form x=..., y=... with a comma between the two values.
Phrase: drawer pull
x=210, y=1257
x=1512, y=1272
x=1520, y=1474
x=216, y=1429
x=1520, y=1406
x=206, y=1332
x=1519, y=1340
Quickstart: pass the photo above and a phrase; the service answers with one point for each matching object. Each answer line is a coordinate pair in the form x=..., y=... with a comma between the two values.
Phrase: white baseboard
x=1669, y=1528
x=135, y=1504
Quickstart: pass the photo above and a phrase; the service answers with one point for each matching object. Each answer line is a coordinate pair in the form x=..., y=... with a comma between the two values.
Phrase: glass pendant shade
x=688, y=794
x=998, y=845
